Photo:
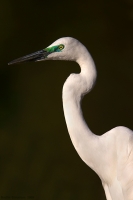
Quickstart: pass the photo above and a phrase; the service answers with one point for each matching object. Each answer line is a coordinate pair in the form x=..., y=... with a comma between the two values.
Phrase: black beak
x=37, y=56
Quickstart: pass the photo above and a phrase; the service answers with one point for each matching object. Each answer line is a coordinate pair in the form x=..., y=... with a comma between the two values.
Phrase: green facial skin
x=39, y=55
x=53, y=49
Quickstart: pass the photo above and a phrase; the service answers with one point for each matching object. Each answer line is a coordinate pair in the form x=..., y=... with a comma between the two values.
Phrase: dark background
x=37, y=157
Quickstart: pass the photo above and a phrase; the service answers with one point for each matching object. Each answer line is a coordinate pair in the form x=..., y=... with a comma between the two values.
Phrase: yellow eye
x=61, y=46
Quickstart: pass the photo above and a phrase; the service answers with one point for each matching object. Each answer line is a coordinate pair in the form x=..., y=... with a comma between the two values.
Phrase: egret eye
x=61, y=46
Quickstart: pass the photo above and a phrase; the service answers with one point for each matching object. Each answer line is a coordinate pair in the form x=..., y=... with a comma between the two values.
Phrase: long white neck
x=74, y=89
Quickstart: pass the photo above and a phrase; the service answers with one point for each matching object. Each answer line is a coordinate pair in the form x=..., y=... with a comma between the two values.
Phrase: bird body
x=109, y=155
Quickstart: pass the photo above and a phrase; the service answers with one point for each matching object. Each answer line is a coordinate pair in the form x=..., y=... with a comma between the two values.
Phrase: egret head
x=62, y=49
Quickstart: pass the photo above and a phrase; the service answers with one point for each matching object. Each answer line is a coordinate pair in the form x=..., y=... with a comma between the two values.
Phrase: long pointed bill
x=37, y=56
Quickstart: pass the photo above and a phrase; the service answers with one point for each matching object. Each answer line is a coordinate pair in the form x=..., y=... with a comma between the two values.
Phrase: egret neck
x=75, y=87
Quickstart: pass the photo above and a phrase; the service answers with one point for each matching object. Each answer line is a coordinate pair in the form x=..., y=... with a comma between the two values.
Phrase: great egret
x=109, y=155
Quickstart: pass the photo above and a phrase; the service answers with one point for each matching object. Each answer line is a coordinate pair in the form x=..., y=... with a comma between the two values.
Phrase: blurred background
x=38, y=160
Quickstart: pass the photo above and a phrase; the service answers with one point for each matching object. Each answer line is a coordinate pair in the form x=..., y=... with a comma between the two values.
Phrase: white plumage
x=109, y=155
